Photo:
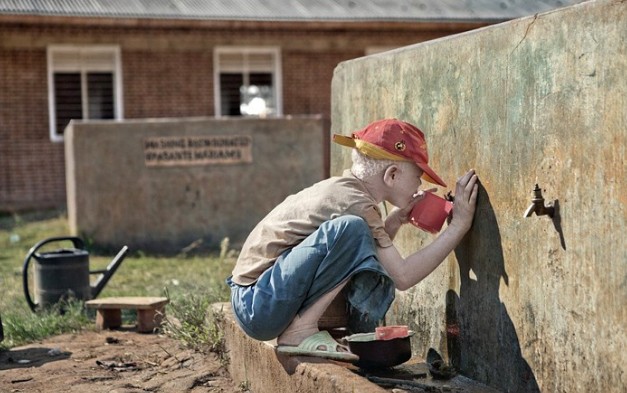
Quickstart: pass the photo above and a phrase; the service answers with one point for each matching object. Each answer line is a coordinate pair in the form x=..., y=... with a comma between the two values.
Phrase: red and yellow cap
x=392, y=139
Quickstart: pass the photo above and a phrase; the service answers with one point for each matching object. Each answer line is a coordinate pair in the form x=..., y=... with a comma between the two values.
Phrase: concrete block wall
x=116, y=198
x=523, y=304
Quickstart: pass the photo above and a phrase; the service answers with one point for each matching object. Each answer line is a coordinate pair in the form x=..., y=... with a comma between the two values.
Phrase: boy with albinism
x=332, y=235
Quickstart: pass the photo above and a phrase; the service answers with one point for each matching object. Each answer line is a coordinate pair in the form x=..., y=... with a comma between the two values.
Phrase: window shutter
x=67, y=96
x=100, y=95
x=230, y=85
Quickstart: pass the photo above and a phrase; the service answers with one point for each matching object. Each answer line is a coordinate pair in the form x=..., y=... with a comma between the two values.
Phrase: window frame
x=83, y=68
x=277, y=75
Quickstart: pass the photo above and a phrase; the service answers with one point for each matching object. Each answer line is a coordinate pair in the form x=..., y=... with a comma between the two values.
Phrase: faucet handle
x=537, y=193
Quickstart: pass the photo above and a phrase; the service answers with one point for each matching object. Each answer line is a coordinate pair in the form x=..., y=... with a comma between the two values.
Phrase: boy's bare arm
x=394, y=221
x=411, y=270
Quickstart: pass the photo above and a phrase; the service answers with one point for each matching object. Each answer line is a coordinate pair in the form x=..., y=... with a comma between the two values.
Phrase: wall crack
x=535, y=17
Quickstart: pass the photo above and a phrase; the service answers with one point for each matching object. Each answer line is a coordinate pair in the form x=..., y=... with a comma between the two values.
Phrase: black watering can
x=65, y=271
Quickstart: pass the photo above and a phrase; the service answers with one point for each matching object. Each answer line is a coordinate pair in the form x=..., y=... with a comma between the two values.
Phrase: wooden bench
x=150, y=311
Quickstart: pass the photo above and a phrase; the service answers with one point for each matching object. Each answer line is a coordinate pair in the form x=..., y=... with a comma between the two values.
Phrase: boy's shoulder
x=345, y=180
x=343, y=190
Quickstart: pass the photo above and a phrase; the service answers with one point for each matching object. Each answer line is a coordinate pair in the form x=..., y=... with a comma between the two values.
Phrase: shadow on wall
x=482, y=340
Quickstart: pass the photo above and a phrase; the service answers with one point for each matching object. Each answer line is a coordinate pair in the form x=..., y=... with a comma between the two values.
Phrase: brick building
x=62, y=60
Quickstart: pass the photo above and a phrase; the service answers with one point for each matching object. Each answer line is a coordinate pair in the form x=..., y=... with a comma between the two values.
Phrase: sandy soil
x=112, y=362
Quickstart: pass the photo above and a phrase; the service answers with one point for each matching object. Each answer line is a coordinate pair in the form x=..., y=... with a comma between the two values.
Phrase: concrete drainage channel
x=257, y=365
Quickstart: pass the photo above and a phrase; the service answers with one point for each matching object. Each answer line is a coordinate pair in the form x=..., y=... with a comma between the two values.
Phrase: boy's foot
x=321, y=345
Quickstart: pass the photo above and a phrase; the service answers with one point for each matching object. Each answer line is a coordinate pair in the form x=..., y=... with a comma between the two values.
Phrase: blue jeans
x=340, y=249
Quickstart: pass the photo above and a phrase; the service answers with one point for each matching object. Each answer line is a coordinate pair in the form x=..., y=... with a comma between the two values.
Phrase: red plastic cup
x=430, y=213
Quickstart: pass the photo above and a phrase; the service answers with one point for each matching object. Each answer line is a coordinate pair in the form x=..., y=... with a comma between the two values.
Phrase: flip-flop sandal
x=309, y=347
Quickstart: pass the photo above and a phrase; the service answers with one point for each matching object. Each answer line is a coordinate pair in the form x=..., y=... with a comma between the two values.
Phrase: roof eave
x=422, y=24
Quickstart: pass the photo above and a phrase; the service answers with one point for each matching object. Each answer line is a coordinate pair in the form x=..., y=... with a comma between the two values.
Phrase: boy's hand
x=465, y=201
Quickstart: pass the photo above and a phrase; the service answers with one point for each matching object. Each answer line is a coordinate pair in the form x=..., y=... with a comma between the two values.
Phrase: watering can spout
x=108, y=272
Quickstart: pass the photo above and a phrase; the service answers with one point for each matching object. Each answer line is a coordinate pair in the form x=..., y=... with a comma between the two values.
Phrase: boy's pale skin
x=399, y=185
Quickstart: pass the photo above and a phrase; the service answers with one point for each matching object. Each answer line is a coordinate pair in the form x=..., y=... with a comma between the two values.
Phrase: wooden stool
x=150, y=311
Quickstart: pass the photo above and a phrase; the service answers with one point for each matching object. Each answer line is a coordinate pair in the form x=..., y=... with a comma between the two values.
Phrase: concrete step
x=256, y=364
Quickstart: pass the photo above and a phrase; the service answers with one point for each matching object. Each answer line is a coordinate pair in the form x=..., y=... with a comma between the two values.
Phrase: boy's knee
x=353, y=223
x=352, y=220
x=348, y=228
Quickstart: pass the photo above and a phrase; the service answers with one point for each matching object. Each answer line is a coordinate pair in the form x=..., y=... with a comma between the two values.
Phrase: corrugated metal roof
x=289, y=10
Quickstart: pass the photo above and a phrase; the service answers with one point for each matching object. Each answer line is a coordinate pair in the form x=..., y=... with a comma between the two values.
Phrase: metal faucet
x=537, y=205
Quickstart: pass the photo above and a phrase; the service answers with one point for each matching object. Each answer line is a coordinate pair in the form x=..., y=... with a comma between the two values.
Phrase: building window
x=247, y=82
x=83, y=83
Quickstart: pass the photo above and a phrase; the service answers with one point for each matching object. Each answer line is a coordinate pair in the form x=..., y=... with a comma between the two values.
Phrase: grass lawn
x=191, y=282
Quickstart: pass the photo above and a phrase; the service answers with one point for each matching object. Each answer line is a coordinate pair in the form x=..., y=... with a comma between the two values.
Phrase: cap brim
x=429, y=175
x=343, y=140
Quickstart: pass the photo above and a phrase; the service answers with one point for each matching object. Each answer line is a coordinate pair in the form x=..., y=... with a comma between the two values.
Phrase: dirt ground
x=112, y=362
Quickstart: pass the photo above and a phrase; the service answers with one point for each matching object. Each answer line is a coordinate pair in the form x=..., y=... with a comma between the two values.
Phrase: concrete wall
x=116, y=197
x=523, y=303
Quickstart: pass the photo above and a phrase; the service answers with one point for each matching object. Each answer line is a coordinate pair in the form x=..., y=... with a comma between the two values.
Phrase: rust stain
x=453, y=330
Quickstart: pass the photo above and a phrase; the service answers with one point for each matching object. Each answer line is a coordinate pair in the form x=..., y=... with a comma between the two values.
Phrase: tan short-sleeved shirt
x=301, y=214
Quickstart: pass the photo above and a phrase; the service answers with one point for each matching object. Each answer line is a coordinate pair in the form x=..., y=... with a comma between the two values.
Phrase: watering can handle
x=78, y=243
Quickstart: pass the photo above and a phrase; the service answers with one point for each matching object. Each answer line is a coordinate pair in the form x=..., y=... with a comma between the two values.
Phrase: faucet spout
x=530, y=210
x=537, y=205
